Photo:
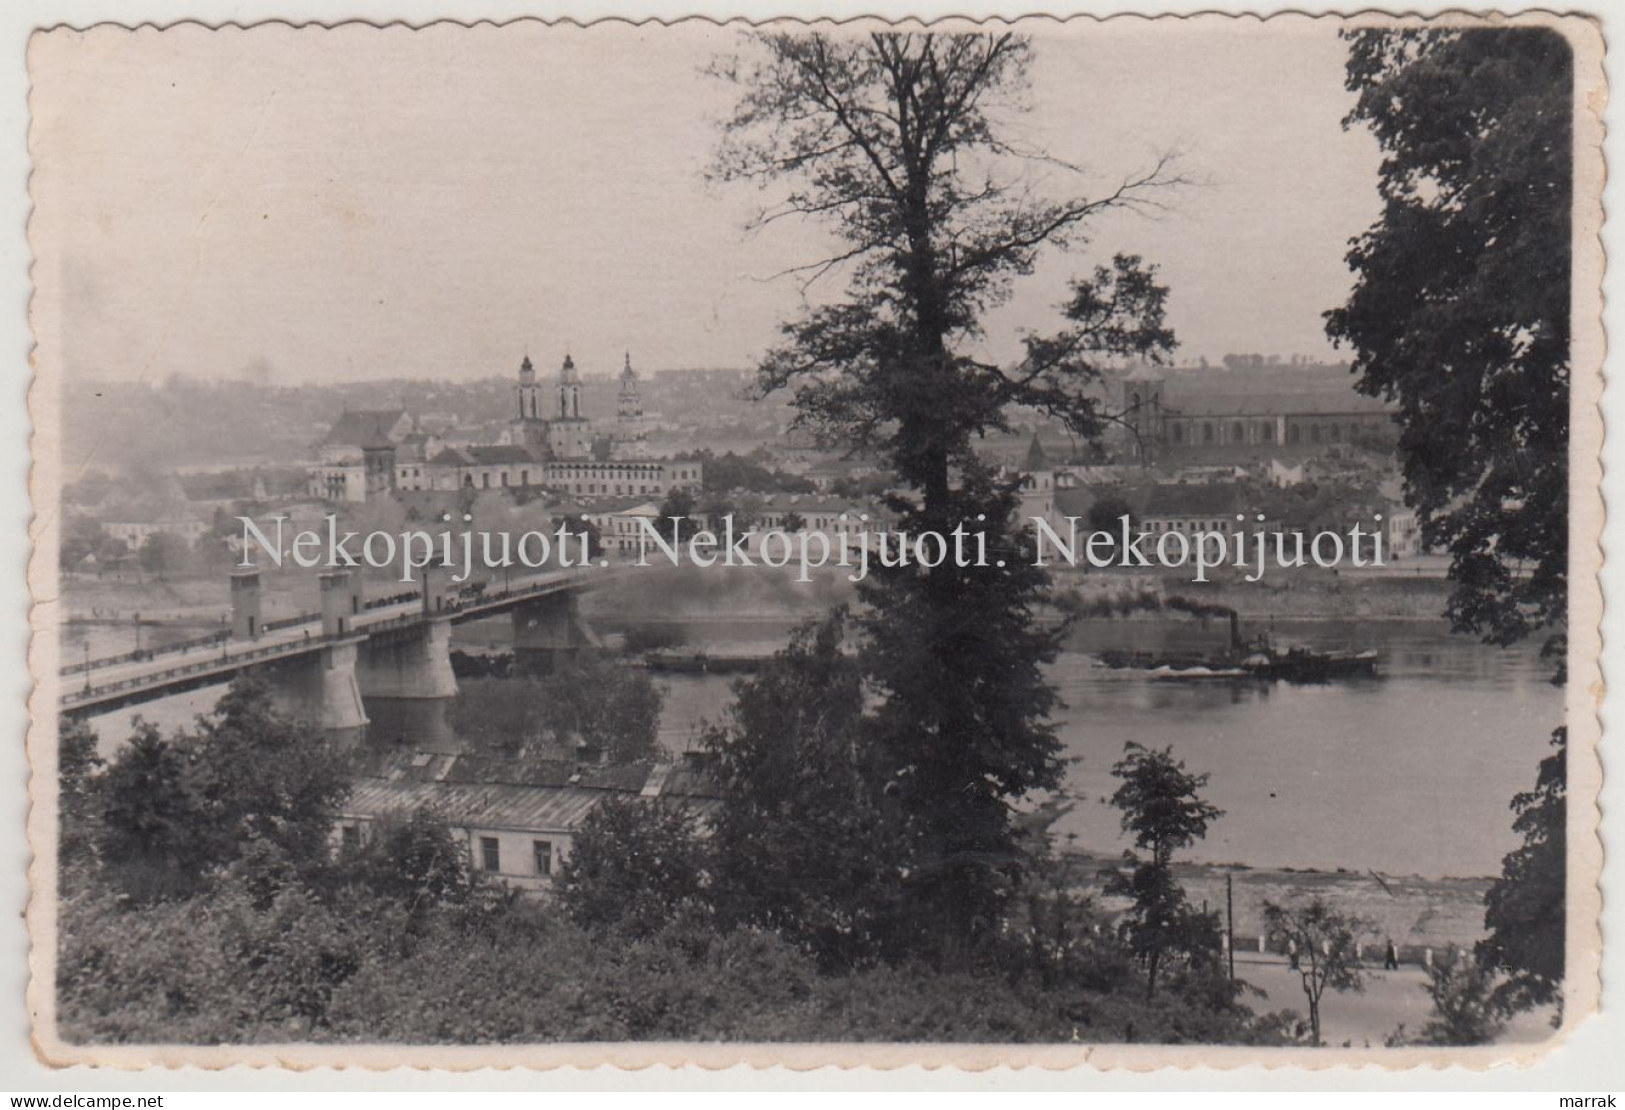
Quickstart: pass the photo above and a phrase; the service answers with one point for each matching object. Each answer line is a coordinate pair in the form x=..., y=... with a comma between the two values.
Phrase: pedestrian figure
x=1390, y=958
x=1292, y=952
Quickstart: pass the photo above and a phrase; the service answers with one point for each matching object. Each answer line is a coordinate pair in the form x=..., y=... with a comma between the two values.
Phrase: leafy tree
x=152, y=818
x=1460, y=310
x=800, y=833
x=596, y=702
x=1107, y=513
x=794, y=521
x=79, y=770
x=259, y=774
x=729, y=471
x=176, y=809
x=164, y=554
x=605, y=705
x=895, y=142
x=418, y=863
x=1460, y=315
x=680, y=506
x=1524, y=909
x=498, y=715
x=1465, y=1009
x=634, y=865
x=1327, y=943
x=1163, y=810
x=82, y=536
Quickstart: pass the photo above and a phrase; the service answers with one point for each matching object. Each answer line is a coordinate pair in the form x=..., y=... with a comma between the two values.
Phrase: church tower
x=569, y=390
x=530, y=393
x=530, y=426
x=568, y=433
x=630, y=430
x=629, y=402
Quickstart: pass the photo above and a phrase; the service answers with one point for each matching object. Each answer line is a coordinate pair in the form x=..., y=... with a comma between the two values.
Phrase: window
x=490, y=854
x=350, y=836
x=1207, y=433
x=1268, y=431
x=1238, y=433
x=543, y=850
x=1179, y=433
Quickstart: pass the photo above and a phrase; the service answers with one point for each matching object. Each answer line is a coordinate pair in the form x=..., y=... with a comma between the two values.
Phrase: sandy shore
x=1414, y=912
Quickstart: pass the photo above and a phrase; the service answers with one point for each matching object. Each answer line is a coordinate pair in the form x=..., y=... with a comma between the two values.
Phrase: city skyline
x=334, y=241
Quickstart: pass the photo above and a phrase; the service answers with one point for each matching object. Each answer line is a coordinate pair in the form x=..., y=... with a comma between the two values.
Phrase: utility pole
x=1230, y=922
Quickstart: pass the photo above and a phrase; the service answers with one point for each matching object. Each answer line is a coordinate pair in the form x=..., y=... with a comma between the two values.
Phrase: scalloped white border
x=1584, y=690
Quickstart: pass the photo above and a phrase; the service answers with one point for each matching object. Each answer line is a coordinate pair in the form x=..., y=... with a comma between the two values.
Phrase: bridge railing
x=225, y=661
x=291, y=622
x=141, y=655
x=460, y=603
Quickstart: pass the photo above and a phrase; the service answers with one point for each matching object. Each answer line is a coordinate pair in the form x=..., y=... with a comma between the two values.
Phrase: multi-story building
x=548, y=446
x=1187, y=418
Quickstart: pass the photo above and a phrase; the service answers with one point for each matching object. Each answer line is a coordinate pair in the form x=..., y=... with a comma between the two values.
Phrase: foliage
x=962, y=722
x=729, y=471
x=634, y=865
x=588, y=700
x=79, y=770
x=1163, y=811
x=1460, y=311
x=1107, y=513
x=215, y=967
x=679, y=511
x=801, y=838
x=897, y=143
x=1465, y=1008
x=258, y=774
x=1524, y=909
x=151, y=814
x=163, y=554
x=417, y=863
x=176, y=809
x=224, y=968
x=1460, y=314
x=1159, y=800
x=1326, y=943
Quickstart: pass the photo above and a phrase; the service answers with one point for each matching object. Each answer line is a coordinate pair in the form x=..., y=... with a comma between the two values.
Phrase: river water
x=1409, y=773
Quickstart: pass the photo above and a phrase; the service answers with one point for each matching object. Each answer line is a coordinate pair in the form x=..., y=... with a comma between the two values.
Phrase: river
x=1409, y=773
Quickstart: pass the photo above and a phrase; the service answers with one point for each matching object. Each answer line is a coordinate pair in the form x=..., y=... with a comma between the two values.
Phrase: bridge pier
x=549, y=630
x=321, y=687
x=408, y=684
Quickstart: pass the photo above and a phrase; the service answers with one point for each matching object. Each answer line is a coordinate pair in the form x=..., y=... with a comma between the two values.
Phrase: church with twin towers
x=559, y=429
x=549, y=442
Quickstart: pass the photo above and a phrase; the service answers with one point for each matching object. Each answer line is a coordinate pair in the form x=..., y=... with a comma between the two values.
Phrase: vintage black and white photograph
x=1043, y=534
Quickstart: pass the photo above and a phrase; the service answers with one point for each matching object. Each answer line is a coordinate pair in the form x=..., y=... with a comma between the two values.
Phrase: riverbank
x=1416, y=913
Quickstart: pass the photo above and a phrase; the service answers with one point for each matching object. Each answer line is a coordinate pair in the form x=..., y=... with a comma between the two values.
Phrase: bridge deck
x=120, y=681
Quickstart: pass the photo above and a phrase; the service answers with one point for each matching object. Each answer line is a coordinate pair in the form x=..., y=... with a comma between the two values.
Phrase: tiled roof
x=1197, y=499
x=365, y=427
x=498, y=454
x=481, y=805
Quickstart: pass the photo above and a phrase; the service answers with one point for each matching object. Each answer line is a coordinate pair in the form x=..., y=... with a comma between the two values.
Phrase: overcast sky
x=359, y=203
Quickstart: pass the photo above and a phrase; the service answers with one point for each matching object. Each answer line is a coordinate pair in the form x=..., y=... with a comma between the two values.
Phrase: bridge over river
x=325, y=666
